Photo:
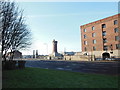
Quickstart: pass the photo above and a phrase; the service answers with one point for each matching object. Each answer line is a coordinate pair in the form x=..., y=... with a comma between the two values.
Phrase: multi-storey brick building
x=102, y=38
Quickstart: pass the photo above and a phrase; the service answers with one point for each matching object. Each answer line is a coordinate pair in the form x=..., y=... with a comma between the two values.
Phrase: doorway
x=105, y=55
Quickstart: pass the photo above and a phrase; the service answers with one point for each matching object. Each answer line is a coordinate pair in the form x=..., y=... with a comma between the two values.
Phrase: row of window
x=117, y=38
x=115, y=30
x=103, y=25
x=94, y=48
x=104, y=48
x=103, y=33
x=93, y=35
x=86, y=43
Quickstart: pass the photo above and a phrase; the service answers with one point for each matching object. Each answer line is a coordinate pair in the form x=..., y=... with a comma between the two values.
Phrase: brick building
x=102, y=38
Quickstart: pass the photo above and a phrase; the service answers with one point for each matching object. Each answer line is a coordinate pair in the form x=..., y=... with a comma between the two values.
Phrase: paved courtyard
x=110, y=68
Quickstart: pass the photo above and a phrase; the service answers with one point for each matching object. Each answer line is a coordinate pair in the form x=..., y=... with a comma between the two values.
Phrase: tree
x=15, y=34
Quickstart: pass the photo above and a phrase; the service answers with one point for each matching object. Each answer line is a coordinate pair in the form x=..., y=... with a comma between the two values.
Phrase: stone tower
x=55, y=53
x=54, y=46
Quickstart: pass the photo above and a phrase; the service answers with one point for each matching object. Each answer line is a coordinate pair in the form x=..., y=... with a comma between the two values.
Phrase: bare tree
x=15, y=34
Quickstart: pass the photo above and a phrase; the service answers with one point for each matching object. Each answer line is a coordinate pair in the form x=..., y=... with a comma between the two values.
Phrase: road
x=109, y=68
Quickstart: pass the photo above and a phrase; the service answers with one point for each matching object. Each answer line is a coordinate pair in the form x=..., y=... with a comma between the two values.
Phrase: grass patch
x=43, y=78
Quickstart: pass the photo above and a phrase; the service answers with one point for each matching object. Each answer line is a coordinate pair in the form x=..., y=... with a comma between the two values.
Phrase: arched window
x=94, y=41
x=115, y=30
x=104, y=40
x=94, y=48
x=85, y=42
x=115, y=22
x=93, y=34
x=84, y=30
x=105, y=48
x=93, y=27
x=85, y=36
x=103, y=25
x=85, y=49
x=104, y=33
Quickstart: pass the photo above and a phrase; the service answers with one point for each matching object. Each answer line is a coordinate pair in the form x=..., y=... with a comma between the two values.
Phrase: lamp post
x=111, y=47
x=91, y=55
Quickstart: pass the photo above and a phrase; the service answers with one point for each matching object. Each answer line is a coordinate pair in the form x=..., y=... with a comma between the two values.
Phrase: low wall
x=79, y=57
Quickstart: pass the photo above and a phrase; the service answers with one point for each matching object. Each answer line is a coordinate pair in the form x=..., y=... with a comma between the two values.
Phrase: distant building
x=69, y=53
x=102, y=38
x=27, y=56
x=37, y=54
x=76, y=56
x=16, y=54
x=33, y=53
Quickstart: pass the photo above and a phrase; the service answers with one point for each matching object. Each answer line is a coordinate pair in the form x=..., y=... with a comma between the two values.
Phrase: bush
x=21, y=64
x=8, y=65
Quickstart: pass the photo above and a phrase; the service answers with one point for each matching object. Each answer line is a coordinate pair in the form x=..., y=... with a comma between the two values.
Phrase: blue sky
x=61, y=21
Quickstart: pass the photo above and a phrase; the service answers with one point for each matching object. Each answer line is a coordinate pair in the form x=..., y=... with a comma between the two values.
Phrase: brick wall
x=98, y=30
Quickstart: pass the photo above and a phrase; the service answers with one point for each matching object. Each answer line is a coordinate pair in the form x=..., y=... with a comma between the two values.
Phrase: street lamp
x=111, y=47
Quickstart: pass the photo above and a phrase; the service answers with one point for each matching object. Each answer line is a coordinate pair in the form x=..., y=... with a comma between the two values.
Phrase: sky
x=61, y=21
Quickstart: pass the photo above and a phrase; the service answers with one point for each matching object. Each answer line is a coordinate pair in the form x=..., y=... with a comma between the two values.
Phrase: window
x=116, y=38
x=93, y=34
x=117, y=46
x=104, y=40
x=94, y=41
x=105, y=48
x=85, y=42
x=104, y=33
x=93, y=28
x=116, y=30
x=94, y=48
x=115, y=22
x=103, y=26
x=84, y=30
x=85, y=36
x=85, y=49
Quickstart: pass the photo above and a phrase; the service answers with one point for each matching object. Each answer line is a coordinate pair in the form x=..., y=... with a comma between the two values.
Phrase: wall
x=79, y=57
x=116, y=53
x=98, y=30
